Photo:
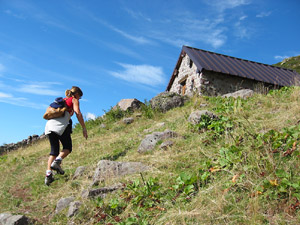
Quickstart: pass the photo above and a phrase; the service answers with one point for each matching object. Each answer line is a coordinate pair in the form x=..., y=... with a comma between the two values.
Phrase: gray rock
x=102, y=125
x=101, y=192
x=195, y=117
x=63, y=203
x=166, y=101
x=129, y=104
x=151, y=139
x=73, y=208
x=106, y=168
x=138, y=115
x=79, y=172
x=9, y=219
x=244, y=93
x=165, y=145
x=128, y=120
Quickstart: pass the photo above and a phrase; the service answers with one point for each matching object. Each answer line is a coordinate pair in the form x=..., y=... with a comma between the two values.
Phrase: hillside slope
x=290, y=63
x=240, y=169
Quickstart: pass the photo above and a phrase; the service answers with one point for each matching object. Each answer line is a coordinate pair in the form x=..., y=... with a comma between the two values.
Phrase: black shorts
x=65, y=140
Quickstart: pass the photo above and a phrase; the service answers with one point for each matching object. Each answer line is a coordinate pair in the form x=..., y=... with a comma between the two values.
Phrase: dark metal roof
x=210, y=61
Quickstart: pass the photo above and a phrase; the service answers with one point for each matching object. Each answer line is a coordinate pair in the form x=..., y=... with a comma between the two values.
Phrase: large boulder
x=244, y=93
x=73, y=208
x=106, y=168
x=166, y=101
x=131, y=104
x=150, y=140
x=63, y=203
x=101, y=192
x=9, y=219
x=196, y=116
x=79, y=172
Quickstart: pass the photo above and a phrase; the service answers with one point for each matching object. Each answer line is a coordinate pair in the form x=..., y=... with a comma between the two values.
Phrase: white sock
x=59, y=158
x=48, y=172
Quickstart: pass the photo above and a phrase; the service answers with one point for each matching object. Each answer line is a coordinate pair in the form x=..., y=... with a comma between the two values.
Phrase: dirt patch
x=21, y=193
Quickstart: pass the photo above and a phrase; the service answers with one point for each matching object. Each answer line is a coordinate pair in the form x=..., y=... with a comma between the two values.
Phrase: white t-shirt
x=57, y=125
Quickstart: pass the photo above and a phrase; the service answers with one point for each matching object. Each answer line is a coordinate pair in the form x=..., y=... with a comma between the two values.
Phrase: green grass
x=240, y=169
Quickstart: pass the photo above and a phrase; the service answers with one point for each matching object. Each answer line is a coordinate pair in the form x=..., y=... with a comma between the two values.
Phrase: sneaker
x=56, y=166
x=49, y=179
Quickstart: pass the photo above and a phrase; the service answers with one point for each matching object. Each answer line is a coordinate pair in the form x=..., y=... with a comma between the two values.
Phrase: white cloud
x=90, y=116
x=222, y=5
x=10, y=13
x=243, y=17
x=4, y=95
x=24, y=102
x=280, y=57
x=263, y=14
x=38, y=89
x=143, y=74
x=137, y=39
x=137, y=15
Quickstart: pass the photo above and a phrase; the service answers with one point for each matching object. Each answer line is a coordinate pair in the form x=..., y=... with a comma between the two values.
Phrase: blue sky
x=122, y=49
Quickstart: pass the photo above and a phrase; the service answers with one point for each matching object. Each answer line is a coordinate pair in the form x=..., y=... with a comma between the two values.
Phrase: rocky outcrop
x=195, y=117
x=150, y=140
x=244, y=93
x=79, y=172
x=9, y=219
x=101, y=192
x=167, y=144
x=63, y=203
x=73, y=208
x=166, y=101
x=129, y=104
x=106, y=169
x=128, y=120
x=24, y=143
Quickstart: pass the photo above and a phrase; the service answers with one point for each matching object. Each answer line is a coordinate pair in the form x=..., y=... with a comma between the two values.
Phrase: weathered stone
x=9, y=219
x=151, y=139
x=73, y=208
x=4, y=217
x=166, y=101
x=43, y=136
x=79, y=171
x=129, y=104
x=128, y=120
x=138, y=115
x=63, y=203
x=165, y=145
x=106, y=168
x=102, y=125
x=195, y=117
x=244, y=93
x=101, y=192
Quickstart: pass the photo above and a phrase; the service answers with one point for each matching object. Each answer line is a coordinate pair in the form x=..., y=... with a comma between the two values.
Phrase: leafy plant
x=230, y=156
x=186, y=185
x=216, y=126
x=115, y=114
x=144, y=194
x=147, y=110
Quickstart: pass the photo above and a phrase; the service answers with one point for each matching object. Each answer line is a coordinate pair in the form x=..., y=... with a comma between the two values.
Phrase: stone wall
x=187, y=73
x=13, y=146
x=215, y=84
x=210, y=83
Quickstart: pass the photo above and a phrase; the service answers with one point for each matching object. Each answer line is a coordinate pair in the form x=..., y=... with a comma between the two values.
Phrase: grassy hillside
x=290, y=63
x=240, y=169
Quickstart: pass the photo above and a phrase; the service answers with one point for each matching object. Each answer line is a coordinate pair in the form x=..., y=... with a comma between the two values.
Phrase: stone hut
x=208, y=73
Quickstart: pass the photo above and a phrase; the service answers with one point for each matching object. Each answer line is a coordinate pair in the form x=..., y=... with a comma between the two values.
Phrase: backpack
x=56, y=109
